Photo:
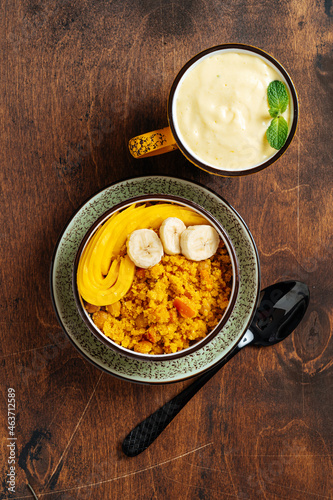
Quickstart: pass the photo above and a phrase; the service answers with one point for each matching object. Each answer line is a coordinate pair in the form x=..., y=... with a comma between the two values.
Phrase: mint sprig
x=278, y=100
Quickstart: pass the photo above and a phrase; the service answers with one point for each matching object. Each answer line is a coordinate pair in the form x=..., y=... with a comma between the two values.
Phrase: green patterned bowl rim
x=134, y=370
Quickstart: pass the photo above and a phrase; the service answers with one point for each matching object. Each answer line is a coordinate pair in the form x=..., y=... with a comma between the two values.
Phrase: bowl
x=137, y=370
x=155, y=199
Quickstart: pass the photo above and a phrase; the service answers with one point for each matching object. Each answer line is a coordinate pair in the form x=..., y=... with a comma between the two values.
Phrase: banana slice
x=170, y=231
x=199, y=242
x=144, y=248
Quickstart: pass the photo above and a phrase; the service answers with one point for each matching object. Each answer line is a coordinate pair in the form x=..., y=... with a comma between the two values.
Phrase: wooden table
x=78, y=80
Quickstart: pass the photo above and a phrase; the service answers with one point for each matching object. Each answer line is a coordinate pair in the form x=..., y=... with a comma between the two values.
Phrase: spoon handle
x=149, y=429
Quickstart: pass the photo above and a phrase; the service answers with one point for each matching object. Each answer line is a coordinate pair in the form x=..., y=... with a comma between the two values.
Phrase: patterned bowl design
x=137, y=370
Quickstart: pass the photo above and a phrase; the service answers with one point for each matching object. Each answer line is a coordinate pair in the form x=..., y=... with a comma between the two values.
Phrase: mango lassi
x=220, y=110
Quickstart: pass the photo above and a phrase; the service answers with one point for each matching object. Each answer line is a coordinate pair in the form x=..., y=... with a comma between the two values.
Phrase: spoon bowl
x=280, y=308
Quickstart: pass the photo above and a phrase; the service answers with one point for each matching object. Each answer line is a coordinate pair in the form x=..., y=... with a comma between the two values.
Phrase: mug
x=222, y=131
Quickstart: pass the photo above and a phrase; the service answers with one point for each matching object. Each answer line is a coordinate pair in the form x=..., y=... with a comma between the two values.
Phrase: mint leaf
x=278, y=98
x=277, y=132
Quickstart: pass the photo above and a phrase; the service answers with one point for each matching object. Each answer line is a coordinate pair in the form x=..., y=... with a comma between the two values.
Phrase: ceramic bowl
x=137, y=370
x=157, y=198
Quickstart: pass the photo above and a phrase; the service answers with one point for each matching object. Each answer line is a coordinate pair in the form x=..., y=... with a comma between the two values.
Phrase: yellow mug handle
x=152, y=143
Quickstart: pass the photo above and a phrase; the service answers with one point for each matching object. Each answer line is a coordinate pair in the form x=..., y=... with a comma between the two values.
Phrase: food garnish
x=199, y=242
x=278, y=101
x=144, y=248
x=170, y=231
x=105, y=273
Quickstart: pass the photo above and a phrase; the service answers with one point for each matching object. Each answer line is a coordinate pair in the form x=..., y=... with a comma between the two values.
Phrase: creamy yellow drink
x=220, y=110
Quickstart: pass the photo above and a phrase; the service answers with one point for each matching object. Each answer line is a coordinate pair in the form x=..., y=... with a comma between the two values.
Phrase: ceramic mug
x=217, y=117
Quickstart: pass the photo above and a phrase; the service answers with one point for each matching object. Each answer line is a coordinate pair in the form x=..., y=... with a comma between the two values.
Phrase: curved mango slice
x=100, y=297
x=103, y=277
x=107, y=230
x=85, y=270
x=85, y=282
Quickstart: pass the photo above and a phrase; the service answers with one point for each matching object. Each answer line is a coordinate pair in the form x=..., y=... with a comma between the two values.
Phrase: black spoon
x=281, y=308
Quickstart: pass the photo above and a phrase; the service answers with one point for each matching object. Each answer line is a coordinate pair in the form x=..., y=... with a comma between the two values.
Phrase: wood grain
x=78, y=79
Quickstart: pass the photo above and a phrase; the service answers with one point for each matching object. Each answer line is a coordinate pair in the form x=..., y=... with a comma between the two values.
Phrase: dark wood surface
x=78, y=79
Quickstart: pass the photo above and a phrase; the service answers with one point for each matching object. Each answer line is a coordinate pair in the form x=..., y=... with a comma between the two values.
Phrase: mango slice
x=86, y=270
x=100, y=297
x=103, y=276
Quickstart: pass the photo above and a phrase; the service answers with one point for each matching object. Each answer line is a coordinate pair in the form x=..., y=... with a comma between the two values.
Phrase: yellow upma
x=169, y=306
